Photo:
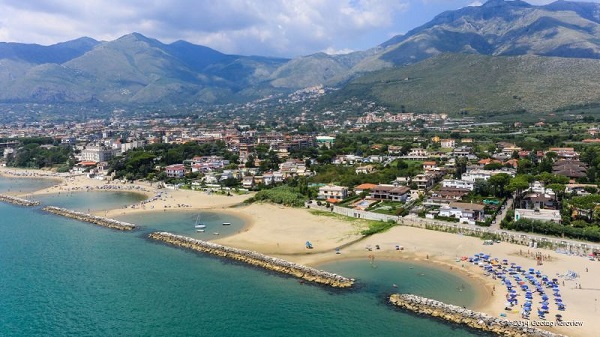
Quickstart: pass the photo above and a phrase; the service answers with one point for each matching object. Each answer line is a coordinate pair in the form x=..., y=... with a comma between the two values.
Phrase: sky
x=279, y=28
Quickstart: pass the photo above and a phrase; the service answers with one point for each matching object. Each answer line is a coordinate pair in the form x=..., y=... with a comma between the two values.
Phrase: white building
x=462, y=184
x=473, y=175
x=333, y=193
x=97, y=153
x=547, y=215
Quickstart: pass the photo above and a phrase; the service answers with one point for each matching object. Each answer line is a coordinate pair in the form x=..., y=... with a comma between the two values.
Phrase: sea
x=61, y=277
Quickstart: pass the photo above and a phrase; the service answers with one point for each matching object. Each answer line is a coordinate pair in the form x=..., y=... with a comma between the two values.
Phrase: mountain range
x=140, y=70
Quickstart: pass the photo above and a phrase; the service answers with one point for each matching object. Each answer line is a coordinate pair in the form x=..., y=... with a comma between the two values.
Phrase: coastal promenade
x=567, y=246
x=470, y=318
x=97, y=220
x=256, y=259
x=18, y=201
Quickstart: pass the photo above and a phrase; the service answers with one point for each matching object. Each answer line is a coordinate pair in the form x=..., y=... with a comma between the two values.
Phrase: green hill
x=479, y=84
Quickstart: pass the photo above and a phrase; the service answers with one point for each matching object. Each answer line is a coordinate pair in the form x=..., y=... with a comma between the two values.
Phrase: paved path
x=502, y=214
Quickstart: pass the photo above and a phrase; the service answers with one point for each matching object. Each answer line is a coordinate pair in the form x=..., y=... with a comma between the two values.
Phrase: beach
x=282, y=232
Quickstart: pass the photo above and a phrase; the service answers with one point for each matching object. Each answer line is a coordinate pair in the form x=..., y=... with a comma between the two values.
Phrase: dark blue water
x=60, y=277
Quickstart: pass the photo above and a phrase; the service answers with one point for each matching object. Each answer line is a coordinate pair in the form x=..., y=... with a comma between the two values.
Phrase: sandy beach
x=282, y=232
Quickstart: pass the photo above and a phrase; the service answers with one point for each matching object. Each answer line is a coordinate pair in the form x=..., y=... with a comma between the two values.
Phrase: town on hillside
x=539, y=175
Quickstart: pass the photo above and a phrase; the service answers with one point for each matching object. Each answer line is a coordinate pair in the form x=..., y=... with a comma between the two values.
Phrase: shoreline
x=282, y=232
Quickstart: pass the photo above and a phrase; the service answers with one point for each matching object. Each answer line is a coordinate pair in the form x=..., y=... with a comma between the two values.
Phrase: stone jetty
x=97, y=220
x=256, y=259
x=18, y=201
x=473, y=319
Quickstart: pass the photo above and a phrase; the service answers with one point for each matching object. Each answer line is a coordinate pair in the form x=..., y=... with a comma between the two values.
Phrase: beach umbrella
x=544, y=297
x=558, y=300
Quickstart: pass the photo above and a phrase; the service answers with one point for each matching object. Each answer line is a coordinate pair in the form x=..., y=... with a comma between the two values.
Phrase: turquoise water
x=183, y=223
x=90, y=201
x=24, y=185
x=60, y=277
x=381, y=277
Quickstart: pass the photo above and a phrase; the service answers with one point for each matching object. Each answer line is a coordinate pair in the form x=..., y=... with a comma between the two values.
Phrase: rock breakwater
x=473, y=319
x=256, y=259
x=97, y=220
x=18, y=201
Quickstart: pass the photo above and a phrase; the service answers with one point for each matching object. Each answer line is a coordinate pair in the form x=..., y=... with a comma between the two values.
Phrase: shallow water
x=91, y=201
x=183, y=223
x=25, y=185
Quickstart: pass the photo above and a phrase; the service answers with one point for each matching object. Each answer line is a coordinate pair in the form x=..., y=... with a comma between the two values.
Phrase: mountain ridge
x=135, y=69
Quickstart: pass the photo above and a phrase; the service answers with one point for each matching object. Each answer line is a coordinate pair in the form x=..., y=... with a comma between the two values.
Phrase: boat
x=226, y=223
x=198, y=224
x=216, y=233
x=200, y=230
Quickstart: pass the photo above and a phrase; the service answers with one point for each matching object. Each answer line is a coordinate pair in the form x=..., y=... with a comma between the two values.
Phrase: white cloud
x=275, y=27
x=333, y=51
x=258, y=27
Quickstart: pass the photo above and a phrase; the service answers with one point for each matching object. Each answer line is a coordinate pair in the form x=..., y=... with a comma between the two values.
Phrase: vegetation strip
x=18, y=201
x=97, y=220
x=256, y=259
x=473, y=319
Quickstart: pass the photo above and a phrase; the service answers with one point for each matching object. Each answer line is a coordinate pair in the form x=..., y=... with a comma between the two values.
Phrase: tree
x=518, y=184
x=498, y=182
x=493, y=166
x=460, y=167
x=250, y=162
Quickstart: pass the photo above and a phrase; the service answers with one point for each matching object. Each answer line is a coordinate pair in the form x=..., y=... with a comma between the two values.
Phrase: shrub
x=284, y=195
x=378, y=227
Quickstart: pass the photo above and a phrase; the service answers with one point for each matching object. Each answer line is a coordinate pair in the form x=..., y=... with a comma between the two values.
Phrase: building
x=333, y=193
x=429, y=165
x=424, y=181
x=473, y=175
x=570, y=168
x=463, y=211
x=417, y=154
x=365, y=169
x=546, y=215
x=446, y=195
x=248, y=182
x=390, y=192
x=568, y=153
x=537, y=200
x=364, y=187
x=325, y=140
x=97, y=153
x=447, y=143
x=175, y=171
x=458, y=184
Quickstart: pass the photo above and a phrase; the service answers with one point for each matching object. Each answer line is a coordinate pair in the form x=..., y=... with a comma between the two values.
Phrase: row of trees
x=41, y=152
x=141, y=163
